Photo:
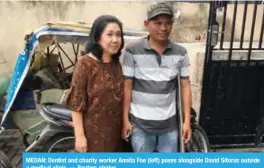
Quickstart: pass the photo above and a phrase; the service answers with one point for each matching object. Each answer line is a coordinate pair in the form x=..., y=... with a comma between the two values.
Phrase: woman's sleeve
x=77, y=95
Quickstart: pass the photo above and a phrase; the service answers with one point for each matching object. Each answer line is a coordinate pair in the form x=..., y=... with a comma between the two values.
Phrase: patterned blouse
x=97, y=92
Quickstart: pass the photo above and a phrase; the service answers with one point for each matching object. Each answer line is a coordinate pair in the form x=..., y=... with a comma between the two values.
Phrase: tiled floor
x=11, y=144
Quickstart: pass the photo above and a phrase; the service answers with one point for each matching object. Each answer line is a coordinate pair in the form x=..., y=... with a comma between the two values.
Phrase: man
x=150, y=67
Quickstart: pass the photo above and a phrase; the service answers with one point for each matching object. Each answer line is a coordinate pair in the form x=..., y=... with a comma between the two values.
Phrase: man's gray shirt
x=153, y=104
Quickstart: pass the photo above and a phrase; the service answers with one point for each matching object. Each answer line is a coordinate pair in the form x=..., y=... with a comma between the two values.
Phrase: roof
x=65, y=31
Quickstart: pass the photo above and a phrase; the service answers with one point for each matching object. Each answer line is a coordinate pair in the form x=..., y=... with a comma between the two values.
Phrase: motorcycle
x=58, y=135
x=199, y=141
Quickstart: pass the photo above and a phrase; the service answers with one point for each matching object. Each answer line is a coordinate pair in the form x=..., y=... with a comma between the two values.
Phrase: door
x=232, y=103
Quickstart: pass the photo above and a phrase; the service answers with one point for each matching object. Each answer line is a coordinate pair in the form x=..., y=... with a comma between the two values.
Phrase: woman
x=96, y=93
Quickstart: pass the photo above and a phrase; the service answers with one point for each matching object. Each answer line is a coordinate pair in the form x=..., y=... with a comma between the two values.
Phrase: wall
x=19, y=18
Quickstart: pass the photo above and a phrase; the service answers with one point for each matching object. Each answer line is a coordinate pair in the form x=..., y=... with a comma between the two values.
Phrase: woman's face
x=110, y=39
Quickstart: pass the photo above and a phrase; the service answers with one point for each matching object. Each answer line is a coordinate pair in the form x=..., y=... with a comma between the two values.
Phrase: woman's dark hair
x=97, y=29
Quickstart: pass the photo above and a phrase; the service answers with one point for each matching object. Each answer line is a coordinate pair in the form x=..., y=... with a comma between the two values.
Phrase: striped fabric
x=153, y=105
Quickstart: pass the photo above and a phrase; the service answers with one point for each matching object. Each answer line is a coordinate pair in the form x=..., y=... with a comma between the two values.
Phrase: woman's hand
x=81, y=144
x=127, y=130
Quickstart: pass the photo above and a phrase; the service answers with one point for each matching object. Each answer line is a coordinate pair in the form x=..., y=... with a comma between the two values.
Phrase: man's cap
x=159, y=9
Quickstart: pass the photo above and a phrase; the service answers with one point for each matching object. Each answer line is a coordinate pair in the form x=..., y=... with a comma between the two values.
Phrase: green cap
x=159, y=9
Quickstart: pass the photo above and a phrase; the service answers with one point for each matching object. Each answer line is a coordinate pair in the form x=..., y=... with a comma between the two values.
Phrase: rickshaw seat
x=57, y=111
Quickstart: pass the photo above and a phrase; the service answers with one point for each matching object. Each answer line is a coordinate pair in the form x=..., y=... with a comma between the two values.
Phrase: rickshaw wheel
x=60, y=144
x=199, y=141
x=4, y=161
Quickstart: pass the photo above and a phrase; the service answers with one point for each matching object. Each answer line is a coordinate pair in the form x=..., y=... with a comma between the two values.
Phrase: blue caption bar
x=142, y=160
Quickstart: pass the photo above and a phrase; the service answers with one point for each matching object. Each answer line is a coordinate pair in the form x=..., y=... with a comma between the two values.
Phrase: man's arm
x=127, y=99
x=186, y=99
x=128, y=72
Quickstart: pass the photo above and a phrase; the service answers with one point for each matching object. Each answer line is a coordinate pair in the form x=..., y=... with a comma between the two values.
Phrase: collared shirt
x=153, y=104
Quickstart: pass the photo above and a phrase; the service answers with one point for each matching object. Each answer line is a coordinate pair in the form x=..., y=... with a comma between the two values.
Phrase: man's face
x=159, y=28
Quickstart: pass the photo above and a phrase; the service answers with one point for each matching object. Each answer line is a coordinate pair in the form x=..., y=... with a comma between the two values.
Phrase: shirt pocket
x=174, y=73
x=175, y=67
x=169, y=73
x=177, y=62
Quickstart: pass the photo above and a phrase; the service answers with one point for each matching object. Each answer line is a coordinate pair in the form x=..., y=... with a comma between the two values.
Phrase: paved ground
x=11, y=144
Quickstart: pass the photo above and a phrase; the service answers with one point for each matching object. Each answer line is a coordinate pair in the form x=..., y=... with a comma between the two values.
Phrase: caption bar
x=129, y=160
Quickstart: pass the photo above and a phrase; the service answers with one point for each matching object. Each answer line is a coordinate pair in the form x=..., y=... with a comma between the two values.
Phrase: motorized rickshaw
x=39, y=83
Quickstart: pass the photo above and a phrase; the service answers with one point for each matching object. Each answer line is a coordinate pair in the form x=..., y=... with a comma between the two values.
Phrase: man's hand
x=127, y=130
x=187, y=132
x=127, y=127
